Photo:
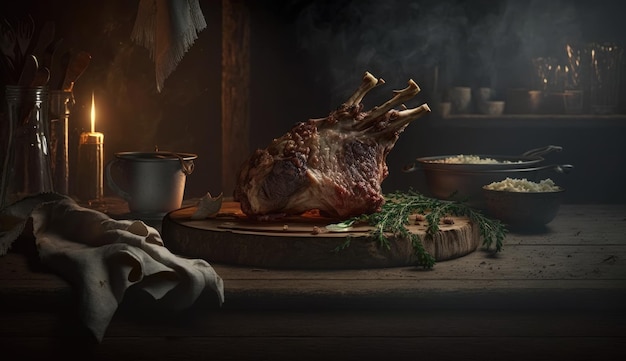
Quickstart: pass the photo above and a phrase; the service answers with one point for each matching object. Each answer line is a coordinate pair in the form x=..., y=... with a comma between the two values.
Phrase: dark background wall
x=308, y=56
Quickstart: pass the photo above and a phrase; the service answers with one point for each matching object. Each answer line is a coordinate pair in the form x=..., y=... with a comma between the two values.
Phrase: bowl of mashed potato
x=523, y=203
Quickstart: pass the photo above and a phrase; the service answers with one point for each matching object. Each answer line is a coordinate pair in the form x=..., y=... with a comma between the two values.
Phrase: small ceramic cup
x=460, y=99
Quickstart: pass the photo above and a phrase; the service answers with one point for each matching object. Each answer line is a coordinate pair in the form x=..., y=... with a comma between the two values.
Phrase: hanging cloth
x=167, y=28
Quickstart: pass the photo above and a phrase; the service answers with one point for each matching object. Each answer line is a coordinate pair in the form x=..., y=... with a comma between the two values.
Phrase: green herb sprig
x=393, y=219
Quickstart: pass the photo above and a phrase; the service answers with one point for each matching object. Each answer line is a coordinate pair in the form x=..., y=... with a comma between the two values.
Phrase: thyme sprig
x=393, y=219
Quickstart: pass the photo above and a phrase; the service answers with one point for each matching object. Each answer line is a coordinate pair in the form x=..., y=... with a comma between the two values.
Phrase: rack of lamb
x=335, y=164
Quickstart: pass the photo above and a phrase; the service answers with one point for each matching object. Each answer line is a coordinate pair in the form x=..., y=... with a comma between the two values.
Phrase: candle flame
x=93, y=113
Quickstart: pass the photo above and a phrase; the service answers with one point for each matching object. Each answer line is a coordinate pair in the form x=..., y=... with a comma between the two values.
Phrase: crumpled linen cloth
x=167, y=28
x=103, y=257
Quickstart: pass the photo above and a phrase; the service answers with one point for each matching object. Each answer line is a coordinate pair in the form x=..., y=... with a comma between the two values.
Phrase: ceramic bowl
x=460, y=99
x=493, y=107
x=523, y=210
x=444, y=109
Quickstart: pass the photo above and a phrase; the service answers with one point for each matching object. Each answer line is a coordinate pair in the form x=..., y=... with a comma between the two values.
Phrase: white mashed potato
x=523, y=185
x=470, y=159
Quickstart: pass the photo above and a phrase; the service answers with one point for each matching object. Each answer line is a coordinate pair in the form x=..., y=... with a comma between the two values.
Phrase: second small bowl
x=493, y=107
x=523, y=210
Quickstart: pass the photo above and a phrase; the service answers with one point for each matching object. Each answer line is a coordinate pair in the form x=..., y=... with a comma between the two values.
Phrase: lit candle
x=90, y=161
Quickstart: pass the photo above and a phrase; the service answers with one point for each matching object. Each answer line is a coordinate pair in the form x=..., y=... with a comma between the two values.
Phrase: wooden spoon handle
x=77, y=65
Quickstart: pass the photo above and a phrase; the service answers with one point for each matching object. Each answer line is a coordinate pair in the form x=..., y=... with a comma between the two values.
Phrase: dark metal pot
x=528, y=159
x=464, y=182
x=467, y=185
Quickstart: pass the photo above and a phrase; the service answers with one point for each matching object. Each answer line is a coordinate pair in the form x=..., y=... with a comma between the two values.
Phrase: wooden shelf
x=530, y=120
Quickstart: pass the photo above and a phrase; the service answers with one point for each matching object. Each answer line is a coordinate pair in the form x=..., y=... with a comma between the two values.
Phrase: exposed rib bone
x=400, y=97
x=330, y=164
x=408, y=115
x=369, y=82
x=403, y=118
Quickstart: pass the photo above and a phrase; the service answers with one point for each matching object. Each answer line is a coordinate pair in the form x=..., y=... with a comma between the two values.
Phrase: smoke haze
x=471, y=43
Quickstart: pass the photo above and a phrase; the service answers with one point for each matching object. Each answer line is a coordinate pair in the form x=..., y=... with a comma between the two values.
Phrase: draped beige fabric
x=102, y=258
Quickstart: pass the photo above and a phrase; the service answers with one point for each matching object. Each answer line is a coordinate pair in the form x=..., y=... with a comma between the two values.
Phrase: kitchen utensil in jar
x=44, y=39
x=41, y=77
x=77, y=64
x=59, y=59
x=28, y=71
x=24, y=31
x=8, y=43
x=61, y=103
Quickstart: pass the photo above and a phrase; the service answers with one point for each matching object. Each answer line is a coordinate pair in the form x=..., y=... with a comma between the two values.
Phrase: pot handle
x=185, y=165
x=111, y=183
x=537, y=152
x=563, y=168
x=410, y=168
x=559, y=168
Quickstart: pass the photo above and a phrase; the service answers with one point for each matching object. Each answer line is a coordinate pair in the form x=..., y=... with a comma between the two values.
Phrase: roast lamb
x=334, y=164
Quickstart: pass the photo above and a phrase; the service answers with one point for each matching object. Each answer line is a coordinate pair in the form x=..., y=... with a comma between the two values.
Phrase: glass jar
x=26, y=154
x=604, y=77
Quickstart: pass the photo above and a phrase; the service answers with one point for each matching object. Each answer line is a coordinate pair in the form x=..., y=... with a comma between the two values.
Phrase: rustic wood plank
x=516, y=262
x=532, y=272
x=334, y=323
x=327, y=348
x=580, y=224
x=235, y=89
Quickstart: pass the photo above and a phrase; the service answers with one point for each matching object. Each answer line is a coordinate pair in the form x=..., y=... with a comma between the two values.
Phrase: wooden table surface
x=558, y=294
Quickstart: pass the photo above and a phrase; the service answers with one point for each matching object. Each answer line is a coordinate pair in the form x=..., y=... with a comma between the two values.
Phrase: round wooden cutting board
x=303, y=242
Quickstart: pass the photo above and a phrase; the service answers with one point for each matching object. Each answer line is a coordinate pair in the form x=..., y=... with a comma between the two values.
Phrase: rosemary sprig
x=394, y=218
